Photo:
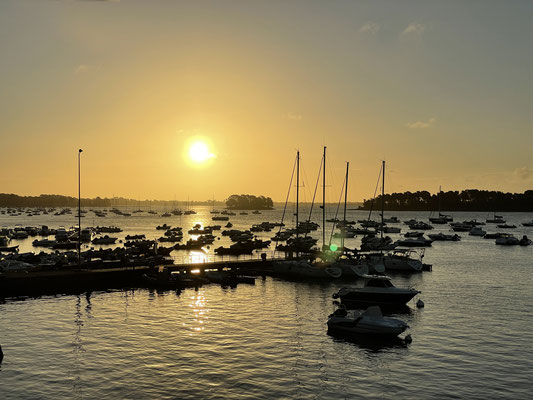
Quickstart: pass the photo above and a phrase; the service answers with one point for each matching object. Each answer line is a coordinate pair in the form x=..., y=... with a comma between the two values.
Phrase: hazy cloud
x=294, y=116
x=523, y=173
x=421, y=124
x=414, y=28
x=370, y=27
x=84, y=68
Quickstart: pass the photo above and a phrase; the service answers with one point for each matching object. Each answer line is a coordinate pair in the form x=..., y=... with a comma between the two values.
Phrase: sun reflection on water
x=199, y=312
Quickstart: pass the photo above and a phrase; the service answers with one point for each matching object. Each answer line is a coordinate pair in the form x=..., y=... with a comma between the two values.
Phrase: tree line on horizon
x=249, y=202
x=56, y=200
x=466, y=200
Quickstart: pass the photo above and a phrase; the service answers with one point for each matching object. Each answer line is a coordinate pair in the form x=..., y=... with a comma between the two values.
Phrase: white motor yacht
x=404, y=261
x=376, y=290
x=306, y=269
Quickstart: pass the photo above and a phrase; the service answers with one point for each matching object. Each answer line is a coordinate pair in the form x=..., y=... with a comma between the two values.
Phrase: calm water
x=472, y=340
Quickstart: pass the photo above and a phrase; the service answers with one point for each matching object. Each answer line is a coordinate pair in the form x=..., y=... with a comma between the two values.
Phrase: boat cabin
x=378, y=281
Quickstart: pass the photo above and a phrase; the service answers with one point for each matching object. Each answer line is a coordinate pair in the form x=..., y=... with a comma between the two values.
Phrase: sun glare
x=199, y=152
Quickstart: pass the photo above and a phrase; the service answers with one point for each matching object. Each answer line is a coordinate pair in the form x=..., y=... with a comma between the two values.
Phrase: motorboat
x=444, y=237
x=506, y=226
x=497, y=219
x=306, y=269
x=404, y=261
x=372, y=243
x=461, y=227
x=528, y=223
x=415, y=242
x=104, y=240
x=477, y=231
x=391, y=229
x=496, y=235
x=351, y=267
x=413, y=234
x=506, y=239
x=420, y=225
x=369, y=322
x=376, y=290
x=391, y=220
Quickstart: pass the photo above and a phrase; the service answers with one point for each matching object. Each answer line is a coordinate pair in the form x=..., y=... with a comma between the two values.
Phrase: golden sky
x=441, y=90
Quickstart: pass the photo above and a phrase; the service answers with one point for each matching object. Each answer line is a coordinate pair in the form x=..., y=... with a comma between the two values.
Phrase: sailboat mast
x=297, y=187
x=382, y=198
x=345, y=200
x=324, y=200
x=440, y=198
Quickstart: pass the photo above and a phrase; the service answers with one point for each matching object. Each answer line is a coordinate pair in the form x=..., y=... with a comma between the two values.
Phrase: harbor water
x=473, y=338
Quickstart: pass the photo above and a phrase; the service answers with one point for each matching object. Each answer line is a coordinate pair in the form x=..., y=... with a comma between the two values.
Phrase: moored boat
x=369, y=322
x=376, y=290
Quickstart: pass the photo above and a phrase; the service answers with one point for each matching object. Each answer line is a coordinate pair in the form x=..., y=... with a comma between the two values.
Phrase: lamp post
x=79, y=208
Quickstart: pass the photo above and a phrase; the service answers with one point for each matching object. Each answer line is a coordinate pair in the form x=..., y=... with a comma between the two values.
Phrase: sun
x=199, y=152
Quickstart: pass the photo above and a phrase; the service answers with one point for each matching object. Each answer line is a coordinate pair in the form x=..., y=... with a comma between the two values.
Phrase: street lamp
x=79, y=208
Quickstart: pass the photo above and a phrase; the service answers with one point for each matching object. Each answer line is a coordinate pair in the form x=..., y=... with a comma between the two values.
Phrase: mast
x=382, y=199
x=297, y=187
x=79, y=208
x=324, y=201
x=440, y=198
x=345, y=201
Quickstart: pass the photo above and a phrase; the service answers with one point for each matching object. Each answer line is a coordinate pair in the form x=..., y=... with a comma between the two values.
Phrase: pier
x=72, y=280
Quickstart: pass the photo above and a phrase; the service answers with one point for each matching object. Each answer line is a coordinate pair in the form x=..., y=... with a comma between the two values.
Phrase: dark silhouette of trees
x=54, y=200
x=249, y=202
x=466, y=200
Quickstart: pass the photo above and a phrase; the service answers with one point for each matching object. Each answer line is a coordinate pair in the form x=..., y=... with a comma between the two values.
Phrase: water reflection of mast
x=77, y=346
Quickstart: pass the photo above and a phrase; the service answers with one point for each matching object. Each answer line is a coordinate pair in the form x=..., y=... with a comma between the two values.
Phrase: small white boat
x=369, y=322
x=305, y=269
x=404, y=260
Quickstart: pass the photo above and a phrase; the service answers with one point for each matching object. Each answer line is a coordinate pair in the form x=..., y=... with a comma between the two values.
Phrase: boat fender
x=408, y=339
x=420, y=303
x=335, y=295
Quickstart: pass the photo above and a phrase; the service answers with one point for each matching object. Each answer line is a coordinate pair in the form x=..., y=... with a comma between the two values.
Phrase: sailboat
x=350, y=266
x=371, y=242
x=442, y=218
x=304, y=267
x=189, y=211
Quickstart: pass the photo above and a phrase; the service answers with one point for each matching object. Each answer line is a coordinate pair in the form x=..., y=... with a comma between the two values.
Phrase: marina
x=262, y=200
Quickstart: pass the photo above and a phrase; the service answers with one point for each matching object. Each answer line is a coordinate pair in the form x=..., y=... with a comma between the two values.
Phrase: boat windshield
x=379, y=283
